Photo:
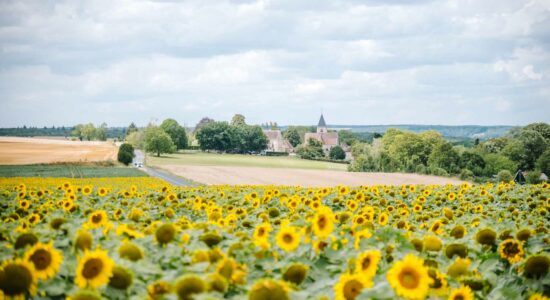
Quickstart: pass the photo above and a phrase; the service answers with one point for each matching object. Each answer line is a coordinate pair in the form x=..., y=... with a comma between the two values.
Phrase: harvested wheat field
x=20, y=151
x=221, y=175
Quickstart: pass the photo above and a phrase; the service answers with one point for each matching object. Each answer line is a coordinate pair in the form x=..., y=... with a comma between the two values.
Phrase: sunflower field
x=141, y=238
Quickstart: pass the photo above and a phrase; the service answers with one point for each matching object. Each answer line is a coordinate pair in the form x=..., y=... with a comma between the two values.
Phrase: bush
x=466, y=174
x=125, y=153
x=420, y=169
x=543, y=162
x=437, y=171
x=533, y=177
x=337, y=153
x=504, y=176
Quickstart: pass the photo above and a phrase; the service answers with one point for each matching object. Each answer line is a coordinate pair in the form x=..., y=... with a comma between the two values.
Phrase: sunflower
x=269, y=289
x=383, y=219
x=46, y=260
x=87, y=190
x=367, y=263
x=288, y=238
x=97, y=219
x=94, y=269
x=17, y=278
x=101, y=191
x=189, y=285
x=461, y=293
x=158, y=289
x=350, y=286
x=359, y=235
x=512, y=250
x=409, y=278
x=538, y=296
x=323, y=222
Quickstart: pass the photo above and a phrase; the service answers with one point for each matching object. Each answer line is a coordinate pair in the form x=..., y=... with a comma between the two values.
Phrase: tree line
x=525, y=148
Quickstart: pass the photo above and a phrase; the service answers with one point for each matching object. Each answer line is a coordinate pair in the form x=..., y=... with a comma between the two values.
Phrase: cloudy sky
x=360, y=62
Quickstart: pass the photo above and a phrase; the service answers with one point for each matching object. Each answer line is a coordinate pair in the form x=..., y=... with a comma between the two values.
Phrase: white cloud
x=362, y=61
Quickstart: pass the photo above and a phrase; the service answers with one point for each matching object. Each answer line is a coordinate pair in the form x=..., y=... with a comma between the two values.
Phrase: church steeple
x=322, y=125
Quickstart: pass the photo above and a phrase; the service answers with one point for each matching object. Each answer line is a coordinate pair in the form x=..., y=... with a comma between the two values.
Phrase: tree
x=176, y=132
x=535, y=145
x=542, y=128
x=543, y=162
x=157, y=141
x=131, y=129
x=515, y=150
x=101, y=132
x=504, y=176
x=495, y=163
x=136, y=139
x=254, y=138
x=125, y=153
x=444, y=156
x=203, y=122
x=238, y=120
x=88, y=132
x=313, y=149
x=337, y=153
x=472, y=161
x=215, y=136
x=346, y=137
x=293, y=136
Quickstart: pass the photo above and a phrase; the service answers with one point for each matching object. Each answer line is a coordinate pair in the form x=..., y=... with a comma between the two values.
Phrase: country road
x=174, y=180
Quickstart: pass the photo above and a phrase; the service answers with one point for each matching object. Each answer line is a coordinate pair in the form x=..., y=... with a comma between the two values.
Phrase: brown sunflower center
x=15, y=279
x=41, y=259
x=97, y=218
x=261, y=232
x=322, y=222
x=511, y=249
x=458, y=297
x=287, y=238
x=92, y=268
x=352, y=288
x=365, y=263
x=409, y=278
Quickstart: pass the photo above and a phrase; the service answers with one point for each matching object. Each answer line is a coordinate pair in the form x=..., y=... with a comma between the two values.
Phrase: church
x=327, y=139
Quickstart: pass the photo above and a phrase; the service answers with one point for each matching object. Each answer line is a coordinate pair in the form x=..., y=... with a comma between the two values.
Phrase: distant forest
x=112, y=132
x=453, y=133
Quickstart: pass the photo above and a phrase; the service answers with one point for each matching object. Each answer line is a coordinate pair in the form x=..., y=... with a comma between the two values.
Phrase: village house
x=277, y=143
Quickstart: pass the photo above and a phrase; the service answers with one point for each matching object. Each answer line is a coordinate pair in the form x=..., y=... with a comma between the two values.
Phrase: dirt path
x=214, y=175
x=18, y=151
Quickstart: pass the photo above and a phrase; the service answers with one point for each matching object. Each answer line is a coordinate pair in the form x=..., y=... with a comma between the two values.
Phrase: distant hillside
x=465, y=131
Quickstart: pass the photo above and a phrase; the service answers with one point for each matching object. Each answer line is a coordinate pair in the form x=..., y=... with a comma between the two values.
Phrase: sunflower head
x=432, y=243
x=288, y=238
x=409, y=277
x=524, y=234
x=536, y=266
x=418, y=244
x=56, y=223
x=461, y=293
x=158, y=289
x=121, y=279
x=189, y=285
x=459, y=267
x=130, y=251
x=458, y=232
x=217, y=282
x=350, y=286
x=211, y=239
x=296, y=273
x=273, y=212
x=456, y=249
x=268, y=289
x=367, y=263
x=25, y=239
x=85, y=295
x=17, y=279
x=165, y=233
x=45, y=259
x=83, y=241
x=512, y=250
x=486, y=236
x=94, y=269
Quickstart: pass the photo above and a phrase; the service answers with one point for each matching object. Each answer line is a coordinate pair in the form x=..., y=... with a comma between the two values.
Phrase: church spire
x=322, y=122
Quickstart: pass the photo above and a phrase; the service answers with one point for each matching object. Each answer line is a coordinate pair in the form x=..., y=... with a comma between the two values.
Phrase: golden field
x=140, y=238
x=21, y=151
